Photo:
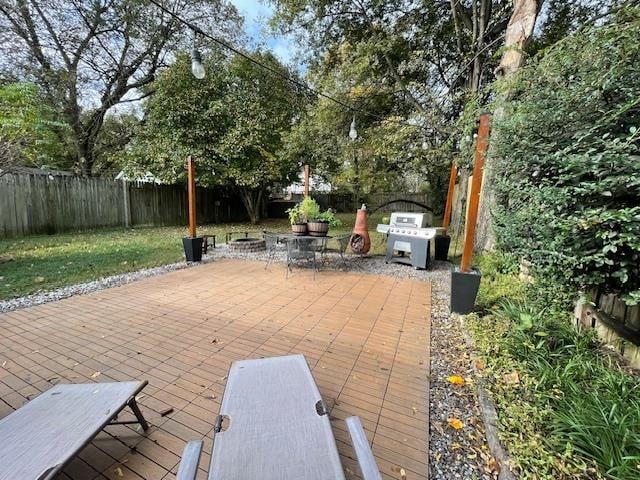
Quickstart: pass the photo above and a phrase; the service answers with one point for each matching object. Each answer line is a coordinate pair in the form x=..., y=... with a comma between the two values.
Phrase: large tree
x=400, y=62
x=232, y=122
x=89, y=56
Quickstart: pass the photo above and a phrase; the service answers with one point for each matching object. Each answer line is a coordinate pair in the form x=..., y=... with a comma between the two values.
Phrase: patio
x=366, y=339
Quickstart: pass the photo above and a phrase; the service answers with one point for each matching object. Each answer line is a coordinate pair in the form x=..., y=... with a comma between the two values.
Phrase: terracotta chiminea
x=360, y=241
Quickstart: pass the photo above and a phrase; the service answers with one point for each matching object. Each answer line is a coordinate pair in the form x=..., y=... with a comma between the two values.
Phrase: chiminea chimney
x=360, y=241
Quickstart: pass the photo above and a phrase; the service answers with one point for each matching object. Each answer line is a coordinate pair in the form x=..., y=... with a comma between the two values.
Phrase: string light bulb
x=196, y=64
x=353, y=133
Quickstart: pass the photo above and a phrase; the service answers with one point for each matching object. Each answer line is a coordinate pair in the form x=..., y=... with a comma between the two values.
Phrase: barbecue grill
x=409, y=236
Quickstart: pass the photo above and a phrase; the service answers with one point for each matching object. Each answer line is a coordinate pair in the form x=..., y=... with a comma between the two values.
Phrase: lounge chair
x=273, y=425
x=38, y=439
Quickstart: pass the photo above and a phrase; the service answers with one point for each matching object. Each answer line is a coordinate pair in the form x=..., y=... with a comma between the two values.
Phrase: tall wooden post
x=306, y=180
x=474, y=196
x=126, y=203
x=191, y=193
x=447, y=207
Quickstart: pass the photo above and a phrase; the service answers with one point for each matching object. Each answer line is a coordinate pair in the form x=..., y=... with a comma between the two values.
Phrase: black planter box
x=192, y=248
x=442, y=243
x=464, y=289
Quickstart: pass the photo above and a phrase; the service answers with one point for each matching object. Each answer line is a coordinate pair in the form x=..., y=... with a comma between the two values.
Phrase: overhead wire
x=274, y=71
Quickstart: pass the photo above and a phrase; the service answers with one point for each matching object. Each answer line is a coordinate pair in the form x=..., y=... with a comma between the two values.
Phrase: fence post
x=126, y=203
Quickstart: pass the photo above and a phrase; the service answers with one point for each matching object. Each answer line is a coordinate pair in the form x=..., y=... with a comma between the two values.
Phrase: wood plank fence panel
x=37, y=204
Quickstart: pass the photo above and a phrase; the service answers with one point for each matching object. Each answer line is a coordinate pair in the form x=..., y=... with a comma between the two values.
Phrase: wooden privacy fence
x=347, y=202
x=31, y=204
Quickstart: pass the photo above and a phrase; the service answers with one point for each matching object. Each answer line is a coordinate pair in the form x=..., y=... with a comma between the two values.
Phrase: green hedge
x=567, y=162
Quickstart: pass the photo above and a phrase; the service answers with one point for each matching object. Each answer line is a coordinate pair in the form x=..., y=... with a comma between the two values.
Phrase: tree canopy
x=232, y=122
x=88, y=57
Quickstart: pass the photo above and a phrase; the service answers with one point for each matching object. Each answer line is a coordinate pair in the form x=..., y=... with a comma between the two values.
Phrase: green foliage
x=499, y=280
x=309, y=209
x=28, y=129
x=572, y=412
x=113, y=139
x=567, y=161
x=232, y=122
x=330, y=217
x=295, y=216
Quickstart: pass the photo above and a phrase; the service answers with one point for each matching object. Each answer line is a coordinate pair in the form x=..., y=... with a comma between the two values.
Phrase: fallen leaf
x=166, y=411
x=403, y=474
x=97, y=374
x=480, y=364
x=4, y=364
x=38, y=279
x=512, y=378
x=456, y=380
x=119, y=472
x=493, y=465
x=455, y=423
x=215, y=340
x=415, y=410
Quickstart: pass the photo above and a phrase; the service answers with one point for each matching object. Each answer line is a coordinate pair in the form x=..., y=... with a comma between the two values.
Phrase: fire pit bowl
x=247, y=245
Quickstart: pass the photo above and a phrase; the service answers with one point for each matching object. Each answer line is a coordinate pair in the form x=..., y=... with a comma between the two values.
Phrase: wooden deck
x=366, y=339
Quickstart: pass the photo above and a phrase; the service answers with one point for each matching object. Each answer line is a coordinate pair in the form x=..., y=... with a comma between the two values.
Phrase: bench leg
x=136, y=411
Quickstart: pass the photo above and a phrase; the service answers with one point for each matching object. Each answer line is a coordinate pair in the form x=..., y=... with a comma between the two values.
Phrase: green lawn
x=45, y=262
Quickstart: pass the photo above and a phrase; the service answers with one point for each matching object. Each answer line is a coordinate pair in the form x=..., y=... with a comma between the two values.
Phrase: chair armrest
x=367, y=462
x=188, y=467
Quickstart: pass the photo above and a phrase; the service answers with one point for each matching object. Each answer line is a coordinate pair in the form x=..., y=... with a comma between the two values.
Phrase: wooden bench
x=38, y=439
x=274, y=425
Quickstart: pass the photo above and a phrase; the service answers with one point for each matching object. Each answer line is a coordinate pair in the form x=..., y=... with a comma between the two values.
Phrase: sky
x=256, y=14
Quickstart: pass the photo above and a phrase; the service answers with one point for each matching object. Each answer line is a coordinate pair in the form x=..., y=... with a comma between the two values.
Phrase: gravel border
x=463, y=453
x=93, y=286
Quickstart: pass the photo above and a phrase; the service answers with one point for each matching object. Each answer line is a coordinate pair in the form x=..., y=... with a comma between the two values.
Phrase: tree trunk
x=519, y=31
x=85, y=157
x=252, y=200
x=459, y=208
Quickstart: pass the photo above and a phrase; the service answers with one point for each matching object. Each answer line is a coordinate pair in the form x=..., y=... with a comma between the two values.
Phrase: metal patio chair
x=301, y=250
x=342, y=244
x=38, y=439
x=274, y=425
x=274, y=245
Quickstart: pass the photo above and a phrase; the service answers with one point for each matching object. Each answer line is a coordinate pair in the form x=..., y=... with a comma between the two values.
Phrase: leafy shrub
x=309, y=209
x=499, y=280
x=572, y=412
x=567, y=163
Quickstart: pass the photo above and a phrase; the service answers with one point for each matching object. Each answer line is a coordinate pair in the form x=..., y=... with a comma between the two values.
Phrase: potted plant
x=318, y=226
x=297, y=220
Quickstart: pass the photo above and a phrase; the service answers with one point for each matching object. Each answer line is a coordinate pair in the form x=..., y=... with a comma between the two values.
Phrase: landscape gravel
x=88, y=287
x=453, y=453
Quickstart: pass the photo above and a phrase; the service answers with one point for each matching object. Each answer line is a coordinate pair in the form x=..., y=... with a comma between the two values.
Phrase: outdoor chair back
x=301, y=250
